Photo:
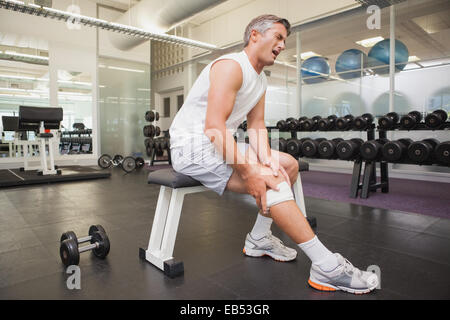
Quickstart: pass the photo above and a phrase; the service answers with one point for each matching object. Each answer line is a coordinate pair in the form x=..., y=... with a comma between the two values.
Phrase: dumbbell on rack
x=327, y=123
x=311, y=124
x=422, y=152
x=151, y=116
x=294, y=147
x=363, y=121
x=435, y=119
x=396, y=151
x=151, y=131
x=411, y=120
x=442, y=153
x=310, y=147
x=371, y=150
x=70, y=251
x=349, y=149
x=327, y=148
x=388, y=121
x=345, y=123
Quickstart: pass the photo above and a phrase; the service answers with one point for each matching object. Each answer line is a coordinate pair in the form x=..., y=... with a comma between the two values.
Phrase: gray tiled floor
x=413, y=251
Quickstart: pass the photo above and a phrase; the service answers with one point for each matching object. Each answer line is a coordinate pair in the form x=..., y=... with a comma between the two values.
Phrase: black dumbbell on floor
x=411, y=120
x=396, y=151
x=435, y=119
x=422, y=152
x=349, y=149
x=70, y=251
x=388, y=121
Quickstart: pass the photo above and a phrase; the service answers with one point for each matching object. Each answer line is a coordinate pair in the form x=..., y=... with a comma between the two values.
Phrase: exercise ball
x=315, y=66
x=379, y=55
x=352, y=59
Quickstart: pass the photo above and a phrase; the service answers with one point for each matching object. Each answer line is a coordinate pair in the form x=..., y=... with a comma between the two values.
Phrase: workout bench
x=174, y=186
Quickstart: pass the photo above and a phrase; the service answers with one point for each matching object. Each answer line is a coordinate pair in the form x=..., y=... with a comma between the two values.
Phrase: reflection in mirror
x=75, y=97
x=24, y=80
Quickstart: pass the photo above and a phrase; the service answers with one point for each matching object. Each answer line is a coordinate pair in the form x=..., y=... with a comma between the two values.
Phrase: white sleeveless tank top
x=189, y=122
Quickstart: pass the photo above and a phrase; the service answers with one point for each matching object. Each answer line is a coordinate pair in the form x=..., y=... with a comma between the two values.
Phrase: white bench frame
x=167, y=217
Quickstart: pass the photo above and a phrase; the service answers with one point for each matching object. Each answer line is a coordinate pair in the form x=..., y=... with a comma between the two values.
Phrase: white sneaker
x=270, y=246
x=345, y=277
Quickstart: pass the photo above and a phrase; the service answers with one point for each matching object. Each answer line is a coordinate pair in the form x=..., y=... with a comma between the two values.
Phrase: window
x=167, y=107
x=180, y=101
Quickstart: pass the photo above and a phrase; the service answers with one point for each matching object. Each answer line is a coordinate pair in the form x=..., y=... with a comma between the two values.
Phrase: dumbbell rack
x=369, y=180
x=382, y=134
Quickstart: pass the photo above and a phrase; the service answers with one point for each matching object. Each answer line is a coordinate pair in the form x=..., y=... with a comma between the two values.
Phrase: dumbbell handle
x=84, y=239
x=88, y=247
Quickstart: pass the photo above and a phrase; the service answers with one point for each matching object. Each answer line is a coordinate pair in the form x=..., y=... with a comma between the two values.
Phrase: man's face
x=271, y=43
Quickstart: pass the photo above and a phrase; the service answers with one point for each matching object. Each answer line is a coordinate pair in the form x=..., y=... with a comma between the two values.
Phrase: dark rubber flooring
x=412, y=251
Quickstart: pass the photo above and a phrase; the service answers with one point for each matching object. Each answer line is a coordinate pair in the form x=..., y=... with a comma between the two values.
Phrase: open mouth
x=275, y=53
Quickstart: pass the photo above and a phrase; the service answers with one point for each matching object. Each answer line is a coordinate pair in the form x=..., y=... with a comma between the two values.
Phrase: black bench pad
x=172, y=179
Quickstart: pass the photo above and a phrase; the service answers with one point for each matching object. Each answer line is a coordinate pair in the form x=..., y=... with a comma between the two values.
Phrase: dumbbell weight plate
x=118, y=158
x=157, y=131
x=150, y=116
x=128, y=164
x=435, y=119
x=94, y=228
x=139, y=162
x=103, y=244
x=442, y=153
x=69, y=235
x=68, y=251
x=394, y=151
x=326, y=149
x=104, y=161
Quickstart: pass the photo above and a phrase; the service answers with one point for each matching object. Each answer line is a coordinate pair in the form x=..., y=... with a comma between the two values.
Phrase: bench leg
x=300, y=200
x=164, y=232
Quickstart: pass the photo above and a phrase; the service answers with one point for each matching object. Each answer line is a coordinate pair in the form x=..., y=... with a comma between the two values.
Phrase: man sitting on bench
x=202, y=146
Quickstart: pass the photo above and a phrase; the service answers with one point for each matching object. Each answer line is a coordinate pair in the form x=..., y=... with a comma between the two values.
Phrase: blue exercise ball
x=349, y=60
x=380, y=53
x=314, y=67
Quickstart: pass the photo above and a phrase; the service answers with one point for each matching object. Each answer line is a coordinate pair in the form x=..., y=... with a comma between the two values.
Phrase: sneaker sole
x=327, y=287
x=261, y=253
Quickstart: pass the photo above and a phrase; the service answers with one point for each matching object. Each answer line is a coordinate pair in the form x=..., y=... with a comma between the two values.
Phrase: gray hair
x=263, y=23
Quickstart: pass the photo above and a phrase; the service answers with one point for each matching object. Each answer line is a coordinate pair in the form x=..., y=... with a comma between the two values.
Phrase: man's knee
x=282, y=195
x=292, y=168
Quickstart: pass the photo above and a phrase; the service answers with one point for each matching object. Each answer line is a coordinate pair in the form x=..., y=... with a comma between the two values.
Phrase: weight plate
x=118, y=158
x=139, y=162
x=95, y=228
x=68, y=251
x=69, y=235
x=103, y=244
x=104, y=161
x=128, y=164
x=442, y=153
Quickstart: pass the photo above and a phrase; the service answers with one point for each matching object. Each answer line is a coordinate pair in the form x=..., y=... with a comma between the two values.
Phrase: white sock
x=261, y=227
x=319, y=254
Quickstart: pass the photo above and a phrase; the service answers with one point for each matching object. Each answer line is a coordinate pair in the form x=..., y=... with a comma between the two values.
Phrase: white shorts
x=207, y=167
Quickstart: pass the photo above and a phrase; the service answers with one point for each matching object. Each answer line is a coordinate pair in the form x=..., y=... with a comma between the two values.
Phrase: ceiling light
x=16, y=54
x=370, y=42
x=306, y=55
x=125, y=69
x=413, y=58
